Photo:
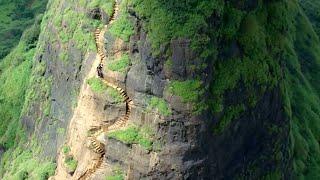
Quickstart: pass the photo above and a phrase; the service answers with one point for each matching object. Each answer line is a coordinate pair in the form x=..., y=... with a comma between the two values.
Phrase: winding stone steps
x=92, y=169
x=96, y=145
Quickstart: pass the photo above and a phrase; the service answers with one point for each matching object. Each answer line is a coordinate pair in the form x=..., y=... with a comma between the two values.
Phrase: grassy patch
x=23, y=163
x=187, y=90
x=120, y=65
x=115, y=95
x=99, y=87
x=66, y=149
x=160, y=105
x=71, y=163
x=128, y=135
x=71, y=25
x=134, y=135
x=190, y=91
x=117, y=174
x=122, y=27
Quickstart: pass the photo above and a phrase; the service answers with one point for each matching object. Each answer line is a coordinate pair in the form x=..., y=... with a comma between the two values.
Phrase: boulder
x=99, y=14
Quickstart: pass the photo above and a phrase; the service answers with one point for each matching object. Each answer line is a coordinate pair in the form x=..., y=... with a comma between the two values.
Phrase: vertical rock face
x=60, y=65
x=182, y=56
x=240, y=147
x=255, y=144
x=180, y=154
x=190, y=150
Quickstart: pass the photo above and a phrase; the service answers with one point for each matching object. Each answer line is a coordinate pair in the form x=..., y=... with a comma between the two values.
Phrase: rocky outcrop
x=99, y=14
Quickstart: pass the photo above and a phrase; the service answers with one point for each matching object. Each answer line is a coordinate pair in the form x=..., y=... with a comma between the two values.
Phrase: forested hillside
x=20, y=29
x=15, y=17
x=158, y=89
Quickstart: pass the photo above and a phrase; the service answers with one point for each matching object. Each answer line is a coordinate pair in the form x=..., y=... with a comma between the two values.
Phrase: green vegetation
x=290, y=41
x=134, y=135
x=72, y=26
x=275, y=33
x=122, y=27
x=255, y=65
x=169, y=20
x=273, y=175
x=14, y=79
x=230, y=114
x=98, y=86
x=20, y=161
x=106, y=6
x=66, y=149
x=120, y=65
x=115, y=95
x=71, y=163
x=117, y=174
x=168, y=64
x=24, y=163
x=191, y=91
x=61, y=131
x=187, y=90
x=12, y=96
x=73, y=31
x=15, y=17
x=24, y=82
x=127, y=136
x=115, y=177
x=312, y=10
x=302, y=92
x=260, y=50
x=160, y=105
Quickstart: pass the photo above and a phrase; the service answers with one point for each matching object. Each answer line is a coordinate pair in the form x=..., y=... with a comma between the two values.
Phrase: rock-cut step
x=96, y=146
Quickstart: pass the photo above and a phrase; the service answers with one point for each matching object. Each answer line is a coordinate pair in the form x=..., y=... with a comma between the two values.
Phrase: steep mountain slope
x=15, y=17
x=303, y=91
x=142, y=89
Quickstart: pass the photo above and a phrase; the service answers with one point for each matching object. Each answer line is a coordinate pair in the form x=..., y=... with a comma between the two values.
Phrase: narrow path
x=95, y=131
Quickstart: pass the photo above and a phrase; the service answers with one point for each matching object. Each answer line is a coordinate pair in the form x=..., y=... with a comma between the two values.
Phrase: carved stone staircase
x=98, y=147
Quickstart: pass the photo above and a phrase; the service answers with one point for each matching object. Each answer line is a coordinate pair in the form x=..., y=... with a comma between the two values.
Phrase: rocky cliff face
x=178, y=135
x=211, y=84
x=60, y=65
